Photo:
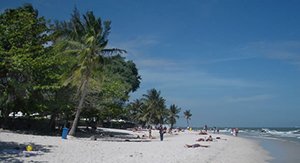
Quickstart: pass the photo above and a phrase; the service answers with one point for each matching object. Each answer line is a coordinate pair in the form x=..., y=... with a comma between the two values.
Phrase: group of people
x=162, y=130
x=205, y=129
x=200, y=145
x=207, y=139
x=235, y=131
x=202, y=132
x=205, y=132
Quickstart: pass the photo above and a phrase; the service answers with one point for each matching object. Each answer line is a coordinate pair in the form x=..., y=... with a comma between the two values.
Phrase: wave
x=267, y=132
x=284, y=133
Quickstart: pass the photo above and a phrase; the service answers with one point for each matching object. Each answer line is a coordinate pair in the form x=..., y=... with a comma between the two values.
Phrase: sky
x=233, y=63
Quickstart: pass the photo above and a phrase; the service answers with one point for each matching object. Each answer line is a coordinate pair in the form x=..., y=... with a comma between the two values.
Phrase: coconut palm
x=187, y=116
x=87, y=39
x=154, y=110
x=135, y=110
x=173, y=114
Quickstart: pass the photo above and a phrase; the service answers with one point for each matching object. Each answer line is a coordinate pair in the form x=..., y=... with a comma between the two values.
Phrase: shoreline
x=54, y=149
x=280, y=150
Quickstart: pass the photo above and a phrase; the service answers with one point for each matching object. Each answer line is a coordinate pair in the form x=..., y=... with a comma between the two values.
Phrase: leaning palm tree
x=187, y=116
x=173, y=114
x=87, y=39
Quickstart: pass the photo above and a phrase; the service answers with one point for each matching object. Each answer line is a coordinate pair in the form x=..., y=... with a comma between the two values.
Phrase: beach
x=228, y=149
x=283, y=144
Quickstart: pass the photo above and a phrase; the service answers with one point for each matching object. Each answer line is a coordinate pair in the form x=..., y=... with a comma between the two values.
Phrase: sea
x=283, y=144
x=283, y=134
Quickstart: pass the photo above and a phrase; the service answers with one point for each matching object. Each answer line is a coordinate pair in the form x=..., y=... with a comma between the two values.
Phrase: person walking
x=161, y=132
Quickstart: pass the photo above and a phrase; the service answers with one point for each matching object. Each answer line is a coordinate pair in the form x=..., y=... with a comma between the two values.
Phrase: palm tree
x=135, y=110
x=173, y=114
x=86, y=39
x=154, y=110
x=187, y=116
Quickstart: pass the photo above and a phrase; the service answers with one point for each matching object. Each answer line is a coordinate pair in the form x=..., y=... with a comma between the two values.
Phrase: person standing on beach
x=205, y=128
x=236, y=131
x=233, y=131
x=161, y=132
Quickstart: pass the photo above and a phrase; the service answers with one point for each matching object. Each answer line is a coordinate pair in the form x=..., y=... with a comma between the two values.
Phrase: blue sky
x=231, y=62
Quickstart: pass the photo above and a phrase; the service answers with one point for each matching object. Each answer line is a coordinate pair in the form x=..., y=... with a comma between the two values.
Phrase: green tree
x=117, y=68
x=187, y=115
x=155, y=109
x=86, y=38
x=119, y=78
x=173, y=115
x=23, y=36
x=135, y=110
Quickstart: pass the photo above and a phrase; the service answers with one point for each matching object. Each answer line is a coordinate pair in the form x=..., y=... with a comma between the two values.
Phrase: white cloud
x=154, y=63
x=186, y=77
x=261, y=97
x=288, y=51
x=169, y=75
x=136, y=47
x=221, y=60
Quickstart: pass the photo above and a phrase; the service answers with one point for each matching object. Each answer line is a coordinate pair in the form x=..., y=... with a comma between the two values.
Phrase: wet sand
x=281, y=150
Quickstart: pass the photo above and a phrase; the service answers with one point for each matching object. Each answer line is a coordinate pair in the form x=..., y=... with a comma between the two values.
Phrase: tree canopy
x=25, y=62
x=187, y=116
x=64, y=71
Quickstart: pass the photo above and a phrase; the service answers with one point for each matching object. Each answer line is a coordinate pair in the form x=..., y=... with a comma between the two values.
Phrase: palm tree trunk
x=79, y=108
x=149, y=119
x=52, y=121
x=187, y=121
x=5, y=115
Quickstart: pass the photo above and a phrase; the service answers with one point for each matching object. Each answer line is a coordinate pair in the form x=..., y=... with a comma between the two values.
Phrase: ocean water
x=283, y=144
x=284, y=134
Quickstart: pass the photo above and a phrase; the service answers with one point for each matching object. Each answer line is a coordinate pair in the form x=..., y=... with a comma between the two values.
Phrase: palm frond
x=113, y=51
x=74, y=44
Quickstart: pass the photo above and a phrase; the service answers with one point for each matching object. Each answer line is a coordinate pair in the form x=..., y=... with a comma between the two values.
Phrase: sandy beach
x=228, y=149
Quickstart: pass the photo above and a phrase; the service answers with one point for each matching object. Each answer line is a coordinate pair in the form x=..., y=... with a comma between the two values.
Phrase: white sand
x=171, y=150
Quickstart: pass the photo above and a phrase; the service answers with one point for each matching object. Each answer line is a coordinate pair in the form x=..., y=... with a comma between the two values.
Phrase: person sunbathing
x=208, y=139
x=195, y=146
x=200, y=139
x=203, y=132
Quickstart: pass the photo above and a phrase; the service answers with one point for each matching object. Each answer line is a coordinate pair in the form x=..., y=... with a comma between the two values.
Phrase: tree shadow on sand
x=101, y=134
x=14, y=152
